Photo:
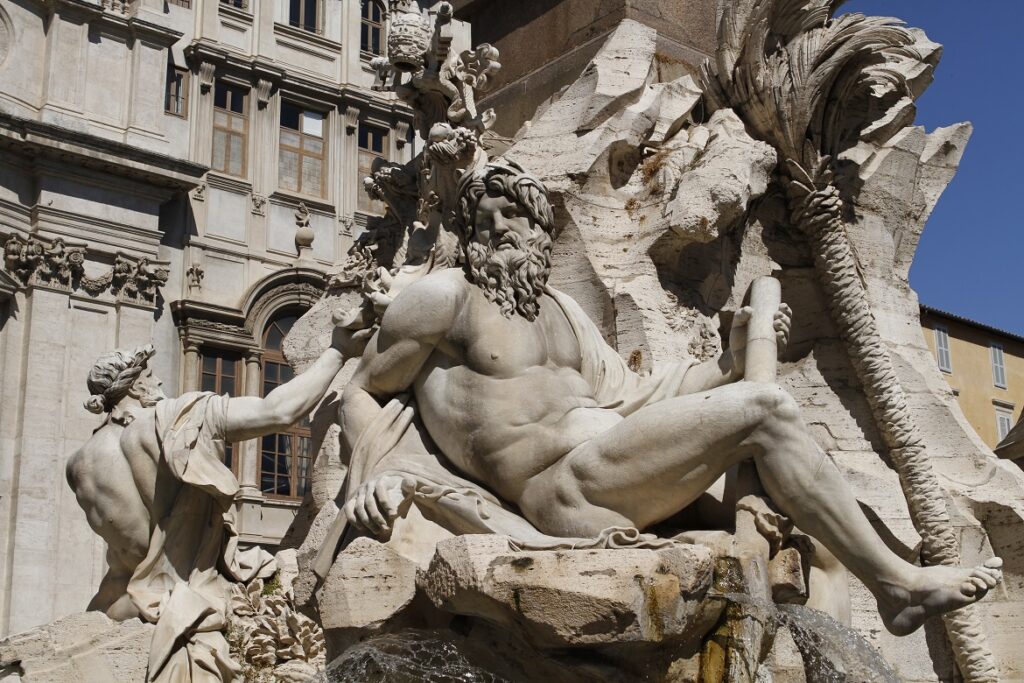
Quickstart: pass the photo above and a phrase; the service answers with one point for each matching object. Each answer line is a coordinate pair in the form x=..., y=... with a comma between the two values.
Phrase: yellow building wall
x=972, y=376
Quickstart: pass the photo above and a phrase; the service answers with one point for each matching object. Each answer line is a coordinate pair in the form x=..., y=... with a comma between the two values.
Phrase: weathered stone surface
x=368, y=584
x=572, y=598
x=82, y=648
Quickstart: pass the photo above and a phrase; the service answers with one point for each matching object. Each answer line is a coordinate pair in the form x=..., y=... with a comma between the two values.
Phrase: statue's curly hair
x=113, y=375
x=510, y=180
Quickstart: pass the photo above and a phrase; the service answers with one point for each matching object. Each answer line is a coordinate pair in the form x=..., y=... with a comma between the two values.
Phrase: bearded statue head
x=505, y=224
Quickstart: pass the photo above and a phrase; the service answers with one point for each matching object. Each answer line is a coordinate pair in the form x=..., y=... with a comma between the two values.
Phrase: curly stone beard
x=514, y=278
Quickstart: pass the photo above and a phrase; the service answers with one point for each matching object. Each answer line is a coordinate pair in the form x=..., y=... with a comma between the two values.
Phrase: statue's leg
x=658, y=460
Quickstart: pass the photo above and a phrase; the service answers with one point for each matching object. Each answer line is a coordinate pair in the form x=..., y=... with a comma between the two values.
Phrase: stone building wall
x=162, y=248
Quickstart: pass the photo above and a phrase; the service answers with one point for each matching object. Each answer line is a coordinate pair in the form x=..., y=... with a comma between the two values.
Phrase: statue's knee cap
x=774, y=401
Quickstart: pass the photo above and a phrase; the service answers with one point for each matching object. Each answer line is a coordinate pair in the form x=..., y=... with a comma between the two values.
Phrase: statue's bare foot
x=934, y=590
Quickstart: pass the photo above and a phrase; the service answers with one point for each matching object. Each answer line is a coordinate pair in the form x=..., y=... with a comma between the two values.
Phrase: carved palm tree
x=813, y=86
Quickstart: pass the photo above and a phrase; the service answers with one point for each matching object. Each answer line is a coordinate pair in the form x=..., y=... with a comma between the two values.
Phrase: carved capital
x=263, y=88
x=401, y=134
x=351, y=120
x=207, y=71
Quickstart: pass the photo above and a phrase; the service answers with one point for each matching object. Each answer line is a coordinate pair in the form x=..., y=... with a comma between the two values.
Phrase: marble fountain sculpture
x=637, y=395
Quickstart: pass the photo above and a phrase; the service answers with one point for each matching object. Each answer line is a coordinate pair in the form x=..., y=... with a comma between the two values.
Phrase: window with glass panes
x=286, y=457
x=220, y=373
x=373, y=143
x=176, y=95
x=302, y=163
x=371, y=38
x=230, y=128
x=304, y=14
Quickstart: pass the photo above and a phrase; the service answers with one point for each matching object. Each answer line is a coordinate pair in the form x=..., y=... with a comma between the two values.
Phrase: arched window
x=285, y=458
x=371, y=38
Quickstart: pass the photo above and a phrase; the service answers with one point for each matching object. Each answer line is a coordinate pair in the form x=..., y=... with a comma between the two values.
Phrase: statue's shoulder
x=438, y=296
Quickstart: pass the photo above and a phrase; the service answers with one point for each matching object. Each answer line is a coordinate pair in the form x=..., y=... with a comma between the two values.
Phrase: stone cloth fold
x=396, y=442
x=183, y=584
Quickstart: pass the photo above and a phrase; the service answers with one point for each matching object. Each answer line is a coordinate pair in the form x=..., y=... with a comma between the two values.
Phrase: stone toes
x=994, y=563
x=968, y=588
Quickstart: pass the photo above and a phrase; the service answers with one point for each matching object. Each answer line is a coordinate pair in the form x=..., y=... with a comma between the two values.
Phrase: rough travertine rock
x=574, y=598
x=82, y=648
x=368, y=584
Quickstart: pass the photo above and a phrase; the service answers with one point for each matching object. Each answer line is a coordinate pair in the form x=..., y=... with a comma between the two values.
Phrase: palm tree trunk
x=816, y=208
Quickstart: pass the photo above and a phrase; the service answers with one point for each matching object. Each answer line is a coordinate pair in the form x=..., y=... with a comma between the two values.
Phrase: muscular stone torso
x=504, y=398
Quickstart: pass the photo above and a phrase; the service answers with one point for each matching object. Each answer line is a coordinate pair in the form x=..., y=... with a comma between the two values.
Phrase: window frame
x=997, y=359
x=365, y=204
x=941, y=336
x=1001, y=415
x=184, y=82
x=230, y=132
x=367, y=25
x=221, y=357
x=186, y=4
x=301, y=150
x=300, y=430
x=300, y=23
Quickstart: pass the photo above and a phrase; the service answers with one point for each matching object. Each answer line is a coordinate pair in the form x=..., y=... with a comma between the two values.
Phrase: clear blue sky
x=971, y=258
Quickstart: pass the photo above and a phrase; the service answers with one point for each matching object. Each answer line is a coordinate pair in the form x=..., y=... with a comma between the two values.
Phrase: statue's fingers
x=350, y=512
x=742, y=316
x=364, y=519
x=377, y=521
x=384, y=495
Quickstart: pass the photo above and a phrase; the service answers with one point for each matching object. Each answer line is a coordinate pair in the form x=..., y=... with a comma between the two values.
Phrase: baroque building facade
x=181, y=172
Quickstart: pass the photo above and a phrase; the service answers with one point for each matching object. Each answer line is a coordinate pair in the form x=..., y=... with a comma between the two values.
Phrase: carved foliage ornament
x=34, y=261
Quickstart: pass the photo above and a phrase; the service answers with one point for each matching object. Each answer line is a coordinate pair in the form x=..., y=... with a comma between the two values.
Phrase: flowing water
x=832, y=653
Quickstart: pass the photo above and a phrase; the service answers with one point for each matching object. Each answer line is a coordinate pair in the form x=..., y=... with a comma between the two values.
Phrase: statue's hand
x=377, y=503
x=783, y=322
x=351, y=343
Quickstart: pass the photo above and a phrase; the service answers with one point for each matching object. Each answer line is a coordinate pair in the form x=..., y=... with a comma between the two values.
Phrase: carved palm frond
x=810, y=84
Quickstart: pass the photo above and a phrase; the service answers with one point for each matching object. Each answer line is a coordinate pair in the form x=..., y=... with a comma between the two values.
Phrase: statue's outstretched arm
x=249, y=417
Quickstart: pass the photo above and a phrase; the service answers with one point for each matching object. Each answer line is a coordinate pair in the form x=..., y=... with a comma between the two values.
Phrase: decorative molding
x=207, y=71
x=263, y=88
x=259, y=204
x=351, y=115
x=401, y=129
x=34, y=261
x=195, y=274
x=199, y=194
x=346, y=223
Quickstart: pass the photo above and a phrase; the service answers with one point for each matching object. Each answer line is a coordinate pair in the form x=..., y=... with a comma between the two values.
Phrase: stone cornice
x=120, y=23
x=251, y=70
x=30, y=138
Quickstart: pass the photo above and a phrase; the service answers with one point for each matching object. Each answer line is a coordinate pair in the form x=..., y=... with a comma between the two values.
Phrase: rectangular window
x=286, y=459
x=176, y=93
x=995, y=352
x=240, y=4
x=303, y=154
x=1004, y=423
x=373, y=141
x=180, y=3
x=230, y=128
x=372, y=29
x=220, y=373
x=304, y=14
x=945, y=358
